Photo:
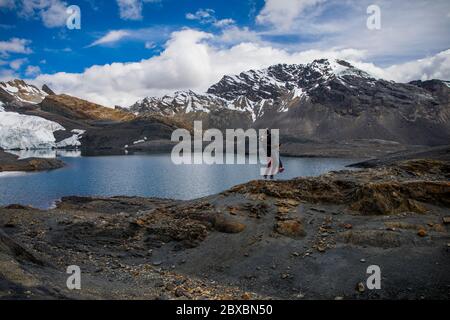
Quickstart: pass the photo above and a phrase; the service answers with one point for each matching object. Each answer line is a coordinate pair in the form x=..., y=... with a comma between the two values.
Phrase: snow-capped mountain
x=254, y=91
x=180, y=102
x=278, y=80
x=20, y=92
x=325, y=100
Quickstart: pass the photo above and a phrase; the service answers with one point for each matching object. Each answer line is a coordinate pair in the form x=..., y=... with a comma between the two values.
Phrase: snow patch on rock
x=73, y=141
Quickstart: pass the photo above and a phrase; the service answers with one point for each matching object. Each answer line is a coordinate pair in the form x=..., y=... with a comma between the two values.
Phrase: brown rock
x=283, y=210
x=422, y=233
x=446, y=220
x=225, y=225
x=379, y=198
x=290, y=228
x=246, y=296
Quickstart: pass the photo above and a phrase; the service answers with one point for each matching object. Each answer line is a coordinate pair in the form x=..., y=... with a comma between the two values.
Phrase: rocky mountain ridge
x=323, y=100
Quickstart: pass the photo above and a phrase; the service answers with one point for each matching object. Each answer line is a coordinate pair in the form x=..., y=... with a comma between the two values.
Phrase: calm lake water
x=142, y=175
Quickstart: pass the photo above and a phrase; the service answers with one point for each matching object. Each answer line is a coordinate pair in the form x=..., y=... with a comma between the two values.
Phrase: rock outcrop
x=9, y=162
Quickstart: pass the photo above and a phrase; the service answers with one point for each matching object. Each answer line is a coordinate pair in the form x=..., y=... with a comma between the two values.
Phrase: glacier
x=19, y=131
x=24, y=132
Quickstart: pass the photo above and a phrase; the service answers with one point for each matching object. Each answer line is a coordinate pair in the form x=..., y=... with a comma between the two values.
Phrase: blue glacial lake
x=146, y=175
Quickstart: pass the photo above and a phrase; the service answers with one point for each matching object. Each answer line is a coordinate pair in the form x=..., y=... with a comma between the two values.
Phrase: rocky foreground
x=307, y=238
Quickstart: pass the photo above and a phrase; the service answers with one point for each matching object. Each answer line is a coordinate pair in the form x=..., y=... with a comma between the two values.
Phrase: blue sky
x=129, y=49
x=67, y=50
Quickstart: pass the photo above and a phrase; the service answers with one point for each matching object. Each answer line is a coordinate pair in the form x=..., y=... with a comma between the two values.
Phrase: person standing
x=274, y=164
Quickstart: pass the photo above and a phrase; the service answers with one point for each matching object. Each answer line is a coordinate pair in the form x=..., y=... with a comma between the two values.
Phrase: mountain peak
x=279, y=79
x=338, y=68
x=19, y=91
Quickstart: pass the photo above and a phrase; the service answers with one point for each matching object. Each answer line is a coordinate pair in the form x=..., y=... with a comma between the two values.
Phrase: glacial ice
x=23, y=132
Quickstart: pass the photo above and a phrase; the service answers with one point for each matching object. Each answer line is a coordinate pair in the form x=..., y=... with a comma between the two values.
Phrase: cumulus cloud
x=15, y=45
x=433, y=67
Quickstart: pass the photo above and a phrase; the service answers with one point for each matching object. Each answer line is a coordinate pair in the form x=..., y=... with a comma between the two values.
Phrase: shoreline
x=11, y=163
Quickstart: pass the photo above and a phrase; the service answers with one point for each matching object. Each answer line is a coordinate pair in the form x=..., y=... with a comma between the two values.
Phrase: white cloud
x=17, y=63
x=434, y=67
x=15, y=45
x=7, y=74
x=145, y=35
x=32, y=71
x=409, y=29
x=132, y=9
x=208, y=16
x=224, y=22
x=282, y=13
x=55, y=15
x=52, y=12
x=234, y=35
x=192, y=61
x=202, y=15
x=150, y=45
x=111, y=37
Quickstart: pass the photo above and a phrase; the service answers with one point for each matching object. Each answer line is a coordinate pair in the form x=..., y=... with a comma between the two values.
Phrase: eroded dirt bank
x=307, y=238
